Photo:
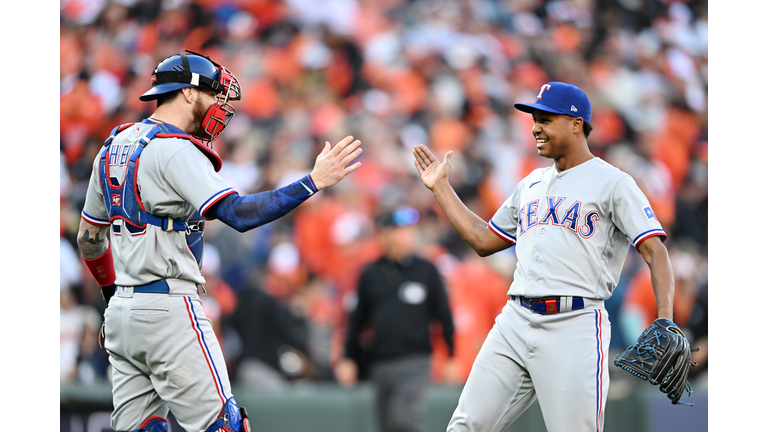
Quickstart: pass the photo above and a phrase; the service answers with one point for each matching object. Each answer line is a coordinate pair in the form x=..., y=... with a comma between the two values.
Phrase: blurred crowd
x=392, y=73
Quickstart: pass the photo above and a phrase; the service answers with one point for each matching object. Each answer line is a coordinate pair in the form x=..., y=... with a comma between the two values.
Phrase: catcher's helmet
x=196, y=70
x=180, y=71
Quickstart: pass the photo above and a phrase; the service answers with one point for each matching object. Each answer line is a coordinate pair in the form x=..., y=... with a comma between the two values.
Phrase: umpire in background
x=398, y=297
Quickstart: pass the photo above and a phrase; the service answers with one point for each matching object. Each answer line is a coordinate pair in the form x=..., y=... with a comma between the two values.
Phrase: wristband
x=312, y=183
x=102, y=268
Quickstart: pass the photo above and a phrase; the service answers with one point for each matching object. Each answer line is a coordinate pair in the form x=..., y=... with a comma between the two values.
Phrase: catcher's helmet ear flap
x=183, y=70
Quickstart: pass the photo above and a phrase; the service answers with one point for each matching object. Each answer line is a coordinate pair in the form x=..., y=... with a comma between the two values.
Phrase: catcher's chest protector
x=122, y=195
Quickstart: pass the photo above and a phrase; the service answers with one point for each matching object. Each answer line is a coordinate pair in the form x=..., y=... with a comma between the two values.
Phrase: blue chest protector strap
x=123, y=199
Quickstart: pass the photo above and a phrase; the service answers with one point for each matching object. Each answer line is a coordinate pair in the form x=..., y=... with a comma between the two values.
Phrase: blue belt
x=548, y=306
x=156, y=287
x=165, y=223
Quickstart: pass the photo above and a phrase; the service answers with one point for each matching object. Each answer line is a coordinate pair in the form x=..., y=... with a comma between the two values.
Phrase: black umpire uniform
x=399, y=296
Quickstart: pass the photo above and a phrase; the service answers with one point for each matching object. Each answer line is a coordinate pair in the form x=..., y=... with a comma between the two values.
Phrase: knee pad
x=231, y=419
x=153, y=424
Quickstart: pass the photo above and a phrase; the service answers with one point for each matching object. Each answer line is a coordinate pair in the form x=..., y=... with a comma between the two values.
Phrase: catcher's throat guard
x=661, y=356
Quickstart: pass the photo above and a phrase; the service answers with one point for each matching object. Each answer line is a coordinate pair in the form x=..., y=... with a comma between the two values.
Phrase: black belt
x=547, y=306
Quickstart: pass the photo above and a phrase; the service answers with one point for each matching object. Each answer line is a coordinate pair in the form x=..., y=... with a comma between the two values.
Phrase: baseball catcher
x=661, y=356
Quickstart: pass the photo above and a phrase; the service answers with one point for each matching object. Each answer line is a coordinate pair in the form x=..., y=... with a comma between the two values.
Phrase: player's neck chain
x=157, y=120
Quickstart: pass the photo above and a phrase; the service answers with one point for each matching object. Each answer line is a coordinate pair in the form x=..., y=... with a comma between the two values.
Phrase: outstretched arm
x=662, y=277
x=471, y=227
x=244, y=213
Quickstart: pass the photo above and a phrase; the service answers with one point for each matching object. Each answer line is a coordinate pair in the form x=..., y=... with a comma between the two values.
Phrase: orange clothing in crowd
x=79, y=116
x=225, y=296
x=449, y=134
x=476, y=294
x=319, y=250
x=640, y=297
x=673, y=144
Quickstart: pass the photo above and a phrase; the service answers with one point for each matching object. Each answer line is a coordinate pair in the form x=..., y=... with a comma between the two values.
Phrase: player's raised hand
x=331, y=164
x=431, y=170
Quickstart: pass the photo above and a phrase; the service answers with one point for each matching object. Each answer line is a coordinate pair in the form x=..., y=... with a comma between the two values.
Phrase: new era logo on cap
x=560, y=98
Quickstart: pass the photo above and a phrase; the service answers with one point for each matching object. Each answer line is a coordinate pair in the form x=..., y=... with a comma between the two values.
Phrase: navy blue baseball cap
x=560, y=98
x=400, y=217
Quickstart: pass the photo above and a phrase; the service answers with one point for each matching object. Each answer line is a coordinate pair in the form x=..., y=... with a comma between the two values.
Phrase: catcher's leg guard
x=231, y=419
x=153, y=424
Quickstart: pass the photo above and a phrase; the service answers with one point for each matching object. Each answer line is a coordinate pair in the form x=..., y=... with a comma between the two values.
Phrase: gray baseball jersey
x=572, y=230
x=162, y=347
x=174, y=179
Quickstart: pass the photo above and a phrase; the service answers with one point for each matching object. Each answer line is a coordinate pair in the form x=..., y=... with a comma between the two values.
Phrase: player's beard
x=198, y=114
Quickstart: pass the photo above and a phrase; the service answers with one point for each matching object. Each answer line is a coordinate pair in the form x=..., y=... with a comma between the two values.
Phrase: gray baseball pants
x=559, y=359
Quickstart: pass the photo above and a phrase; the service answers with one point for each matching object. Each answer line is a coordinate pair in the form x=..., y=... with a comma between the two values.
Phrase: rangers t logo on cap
x=560, y=98
x=544, y=87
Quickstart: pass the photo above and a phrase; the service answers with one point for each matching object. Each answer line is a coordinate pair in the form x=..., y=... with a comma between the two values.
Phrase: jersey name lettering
x=118, y=155
x=527, y=217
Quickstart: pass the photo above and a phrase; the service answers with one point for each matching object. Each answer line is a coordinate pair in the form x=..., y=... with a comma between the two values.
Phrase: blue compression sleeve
x=244, y=213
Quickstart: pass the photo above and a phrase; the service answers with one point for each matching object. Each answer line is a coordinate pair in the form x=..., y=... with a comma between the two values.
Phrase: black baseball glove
x=661, y=356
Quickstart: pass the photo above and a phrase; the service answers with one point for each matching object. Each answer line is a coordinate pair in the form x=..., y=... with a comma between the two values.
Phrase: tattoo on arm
x=93, y=247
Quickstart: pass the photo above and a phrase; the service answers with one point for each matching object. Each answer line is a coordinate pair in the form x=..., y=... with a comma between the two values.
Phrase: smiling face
x=554, y=134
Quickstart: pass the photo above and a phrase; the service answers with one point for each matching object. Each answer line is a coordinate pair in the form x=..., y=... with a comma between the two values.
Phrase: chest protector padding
x=123, y=198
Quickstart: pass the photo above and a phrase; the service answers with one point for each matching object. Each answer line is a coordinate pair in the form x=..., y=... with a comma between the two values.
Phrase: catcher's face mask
x=221, y=112
x=196, y=70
